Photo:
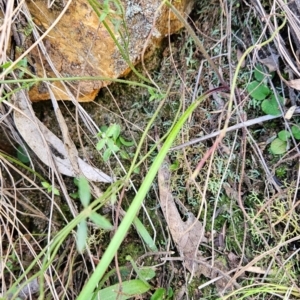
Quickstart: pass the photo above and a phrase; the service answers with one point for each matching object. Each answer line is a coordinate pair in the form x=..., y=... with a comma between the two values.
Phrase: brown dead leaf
x=289, y=114
x=231, y=192
x=295, y=84
x=189, y=235
x=233, y=258
x=219, y=102
x=271, y=62
x=239, y=54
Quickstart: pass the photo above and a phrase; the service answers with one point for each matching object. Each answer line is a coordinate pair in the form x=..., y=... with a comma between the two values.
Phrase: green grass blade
x=143, y=232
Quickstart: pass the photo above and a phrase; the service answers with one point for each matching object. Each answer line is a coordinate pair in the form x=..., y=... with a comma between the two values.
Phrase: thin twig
x=231, y=128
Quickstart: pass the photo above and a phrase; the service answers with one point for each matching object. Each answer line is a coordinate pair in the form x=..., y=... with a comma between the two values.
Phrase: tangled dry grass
x=244, y=197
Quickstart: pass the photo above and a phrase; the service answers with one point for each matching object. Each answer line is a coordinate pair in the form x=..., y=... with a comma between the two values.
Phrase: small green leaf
x=155, y=95
x=74, y=195
x=103, y=128
x=151, y=91
x=6, y=65
x=296, y=132
x=130, y=289
x=144, y=234
x=126, y=143
x=117, y=131
x=103, y=16
x=118, y=143
x=49, y=188
x=45, y=184
x=258, y=90
x=82, y=233
x=159, y=294
x=113, y=131
x=147, y=273
x=259, y=73
x=278, y=146
x=101, y=221
x=107, y=154
x=137, y=170
x=22, y=155
x=124, y=154
x=271, y=106
x=101, y=144
x=174, y=166
x=22, y=63
x=170, y=293
x=55, y=191
x=84, y=191
x=76, y=181
x=112, y=146
x=284, y=135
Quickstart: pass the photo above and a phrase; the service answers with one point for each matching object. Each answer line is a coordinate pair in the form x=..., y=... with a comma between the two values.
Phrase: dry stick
x=232, y=128
x=239, y=195
x=115, y=229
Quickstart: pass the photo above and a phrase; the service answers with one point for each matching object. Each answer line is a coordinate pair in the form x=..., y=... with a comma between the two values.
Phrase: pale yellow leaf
x=290, y=112
x=295, y=84
x=271, y=62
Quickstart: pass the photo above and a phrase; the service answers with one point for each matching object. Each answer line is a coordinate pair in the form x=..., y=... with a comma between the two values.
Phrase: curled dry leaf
x=239, y=54
x=271, y=62
x=289, y=114
x=295, y=84
x=189, y=235
x=46, y=145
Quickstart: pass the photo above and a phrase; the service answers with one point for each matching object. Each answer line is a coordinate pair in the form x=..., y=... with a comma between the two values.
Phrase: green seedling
x=281, y=144
x=175, y=165
x=162, y=294
x=296, y=132
x=271, y=107
x=137, y=170
x=259, y=91
x=258, y=88
x=111, y=141
x=97, y=219
x=144, y=274
x=128, y=290
x=28, y=29
x=155, y=95
x=22, y=66
x=50, y=188
x=281, y=172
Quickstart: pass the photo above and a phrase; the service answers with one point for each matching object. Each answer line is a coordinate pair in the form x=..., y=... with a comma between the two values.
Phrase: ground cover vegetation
x=202, y=142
